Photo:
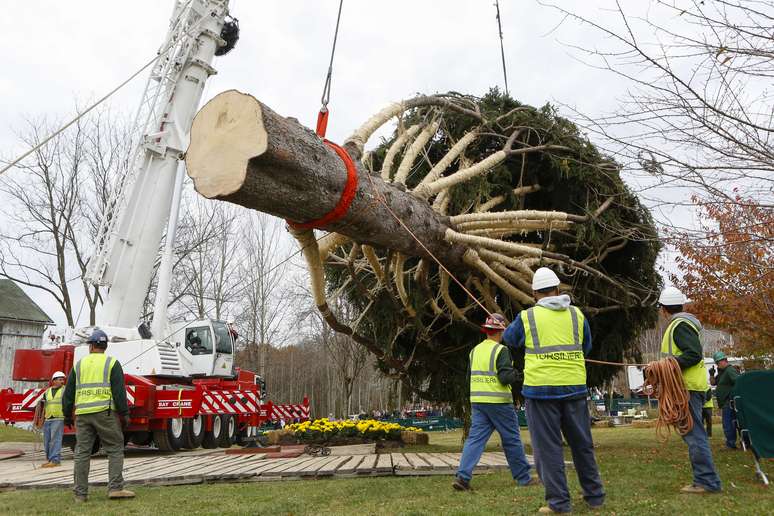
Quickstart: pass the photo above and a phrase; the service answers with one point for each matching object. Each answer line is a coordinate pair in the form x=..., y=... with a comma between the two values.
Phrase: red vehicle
x=207, y=412
x=181, y=383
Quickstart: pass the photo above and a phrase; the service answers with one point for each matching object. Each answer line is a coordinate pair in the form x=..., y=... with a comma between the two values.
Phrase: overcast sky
x=55, y=53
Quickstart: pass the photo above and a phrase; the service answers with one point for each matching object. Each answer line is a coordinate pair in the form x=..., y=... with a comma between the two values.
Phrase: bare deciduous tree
x=698, y=111
x=264, y=301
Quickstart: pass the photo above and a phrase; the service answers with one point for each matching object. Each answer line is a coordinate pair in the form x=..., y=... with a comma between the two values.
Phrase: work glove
x=68, y=421
x=712, y=371
x=124, y=420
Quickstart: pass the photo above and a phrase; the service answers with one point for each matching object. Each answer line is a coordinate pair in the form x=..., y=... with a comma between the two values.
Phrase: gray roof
x=15, y=304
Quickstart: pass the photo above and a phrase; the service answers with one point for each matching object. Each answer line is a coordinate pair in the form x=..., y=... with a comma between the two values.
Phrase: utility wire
x=59, y=131
x=245, y=287
x=502, y=47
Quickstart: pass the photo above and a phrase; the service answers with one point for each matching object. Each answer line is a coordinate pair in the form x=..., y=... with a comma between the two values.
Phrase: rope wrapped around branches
x=673, y=409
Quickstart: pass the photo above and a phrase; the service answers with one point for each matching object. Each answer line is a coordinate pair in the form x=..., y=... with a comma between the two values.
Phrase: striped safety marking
x=289, y=411
x=31, y=398
x=229, y=402
x=130, y=390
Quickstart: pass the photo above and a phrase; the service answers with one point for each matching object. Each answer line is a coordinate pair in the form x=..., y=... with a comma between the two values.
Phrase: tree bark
x=244, y=153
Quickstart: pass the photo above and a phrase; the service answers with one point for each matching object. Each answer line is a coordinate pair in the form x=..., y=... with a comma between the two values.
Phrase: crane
x=181, y=384
x=147, y=198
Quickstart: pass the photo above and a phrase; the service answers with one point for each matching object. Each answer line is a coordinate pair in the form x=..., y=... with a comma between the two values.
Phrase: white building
x=22, y=324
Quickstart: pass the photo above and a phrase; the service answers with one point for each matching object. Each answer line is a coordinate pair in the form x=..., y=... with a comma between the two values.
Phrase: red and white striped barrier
x=230, y=402
x=289, y=412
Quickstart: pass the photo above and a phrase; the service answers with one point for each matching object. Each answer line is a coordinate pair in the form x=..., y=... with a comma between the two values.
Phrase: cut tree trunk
x=244, y=153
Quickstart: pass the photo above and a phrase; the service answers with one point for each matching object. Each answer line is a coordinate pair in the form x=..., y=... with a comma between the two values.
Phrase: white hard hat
x=544, y=278
x=58, y=374
x=671, y=296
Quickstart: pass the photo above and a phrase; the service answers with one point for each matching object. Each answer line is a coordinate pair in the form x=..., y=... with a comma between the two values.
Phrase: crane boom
x=133, y=223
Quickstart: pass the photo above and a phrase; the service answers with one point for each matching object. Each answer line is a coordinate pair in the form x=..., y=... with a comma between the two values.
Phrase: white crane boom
x=142, y=202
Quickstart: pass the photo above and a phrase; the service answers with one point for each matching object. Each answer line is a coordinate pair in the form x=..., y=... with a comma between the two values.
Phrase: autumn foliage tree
x=729, y=272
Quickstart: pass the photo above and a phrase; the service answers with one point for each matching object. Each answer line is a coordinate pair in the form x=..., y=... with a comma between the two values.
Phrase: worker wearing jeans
x=682, y=341
x=555, y=337
x=53, y=427
x=491, y=374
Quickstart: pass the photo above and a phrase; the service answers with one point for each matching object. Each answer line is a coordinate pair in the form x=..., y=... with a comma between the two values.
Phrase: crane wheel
x=170, y=439
x=193, y=432
x=212, y=437
x=229, y=425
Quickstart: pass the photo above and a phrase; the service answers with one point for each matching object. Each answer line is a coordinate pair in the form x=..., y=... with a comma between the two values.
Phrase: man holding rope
x=556, y=337
x=682, y=340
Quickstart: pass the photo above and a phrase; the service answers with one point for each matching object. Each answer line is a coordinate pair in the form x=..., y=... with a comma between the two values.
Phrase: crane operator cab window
x=223, y=342
x=198, y=341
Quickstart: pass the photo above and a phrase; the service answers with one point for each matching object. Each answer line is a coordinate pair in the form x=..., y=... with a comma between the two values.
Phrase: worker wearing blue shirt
x=555, y=337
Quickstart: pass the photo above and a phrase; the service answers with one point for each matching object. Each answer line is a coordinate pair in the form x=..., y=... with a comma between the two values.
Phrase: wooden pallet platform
x=206, y=466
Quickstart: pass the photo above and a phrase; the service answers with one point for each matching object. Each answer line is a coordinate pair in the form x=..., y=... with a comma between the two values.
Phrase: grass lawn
x=641, y=476
x=10, y=433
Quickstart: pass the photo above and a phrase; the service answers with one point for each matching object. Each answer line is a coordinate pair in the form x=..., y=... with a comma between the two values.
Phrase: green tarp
x=754, y=400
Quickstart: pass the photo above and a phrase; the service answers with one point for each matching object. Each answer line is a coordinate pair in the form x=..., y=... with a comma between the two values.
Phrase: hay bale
x=408, y=437
x=275, y=437
x=644, y=423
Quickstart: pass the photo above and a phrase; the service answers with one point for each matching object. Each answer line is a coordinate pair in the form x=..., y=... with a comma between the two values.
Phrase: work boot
x=533, y=481
x=123, y=493
x=460, y=484
x=547, y=510
x=81, y=499
x=47, y=465
x=694, y=489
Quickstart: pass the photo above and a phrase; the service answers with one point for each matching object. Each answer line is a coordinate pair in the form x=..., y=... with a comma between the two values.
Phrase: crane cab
x=201, y=348
x=205, y=347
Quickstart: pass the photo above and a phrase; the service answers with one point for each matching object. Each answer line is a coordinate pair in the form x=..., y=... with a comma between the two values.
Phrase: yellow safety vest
x=553, y=342
x=53, y=405
x=484, y=384
x=694, y=377
x=92, y=384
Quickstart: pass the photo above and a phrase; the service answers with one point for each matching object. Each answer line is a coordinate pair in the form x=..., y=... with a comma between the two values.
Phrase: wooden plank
x=280, y=468
x=399, y=462
x=494, y=459
x=435, y=462
x=354, y=449
x=200, y=469
x=215, y=470
x=384, y=463
x=350, y=467
x=308, y=467
x=417, y=463
x=250, y=469
x=450, y=459
x=367, y=465
x=331, y=467
x=187, y=465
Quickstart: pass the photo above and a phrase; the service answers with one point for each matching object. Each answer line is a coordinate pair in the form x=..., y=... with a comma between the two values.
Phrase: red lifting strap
x=346, y=196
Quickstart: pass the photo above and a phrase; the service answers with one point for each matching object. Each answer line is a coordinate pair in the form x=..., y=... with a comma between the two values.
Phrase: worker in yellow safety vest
x=682, y=340
x=555, y=337
x=490, y=374
x=53, y=420
x=96, y=394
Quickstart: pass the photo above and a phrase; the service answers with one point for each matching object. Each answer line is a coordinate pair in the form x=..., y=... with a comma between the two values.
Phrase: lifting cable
x=244, y=287
x=502, y=47
x=350, y=187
